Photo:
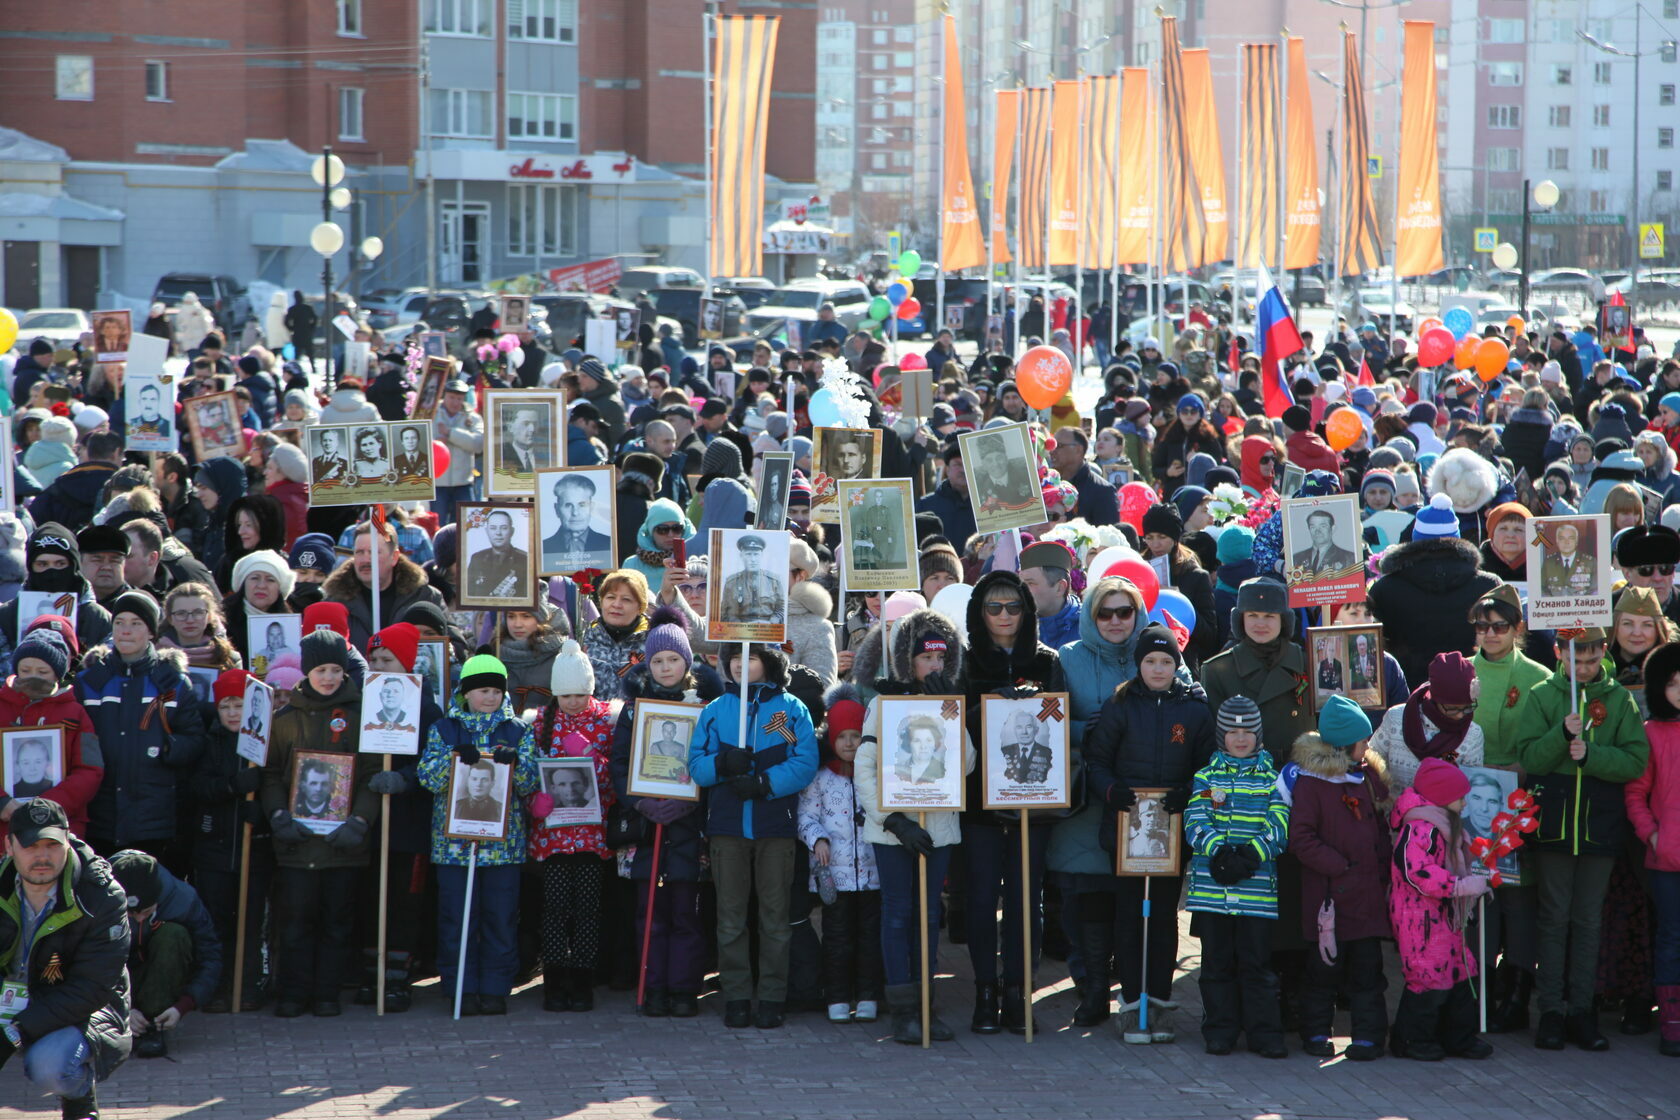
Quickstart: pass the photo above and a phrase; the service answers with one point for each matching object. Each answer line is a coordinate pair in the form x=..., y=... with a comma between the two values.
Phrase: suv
x=390, y=307
x=683, y=305
x=637, y=281
x=850, y=300
x=223, y=295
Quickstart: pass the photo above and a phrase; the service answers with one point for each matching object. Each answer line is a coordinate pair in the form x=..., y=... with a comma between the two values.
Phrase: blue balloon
x=897, y=293
x=823, y=411
x=1458, y=321
x=1180, y=607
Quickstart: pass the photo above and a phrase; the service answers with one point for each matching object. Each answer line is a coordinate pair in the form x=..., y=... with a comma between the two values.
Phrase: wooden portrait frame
x=1344, y=637
x=1051, y=712
x=853, y=495
x=440, y=658
x=11, y=738
x=605, y=479
x=344, y=789
x=1128, y=864
x=435, y=373
x=202, y=448
x=896, y=715
x=825, y=493
x=641, y=784
x=772, y=465
x=501, y=481
x=501, y=782
x=473, y=516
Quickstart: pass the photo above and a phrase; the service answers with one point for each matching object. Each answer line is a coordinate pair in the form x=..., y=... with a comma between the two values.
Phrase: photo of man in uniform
x=1366, y=673
x=1147, y=838
x=1002, y=478
x=1565, y=570
x=256, y=713
x=391, y=715
x=414, y=459
x=329, y=463
x=574, y=546
x=150, y=423
x=478, y=803
x=501, y=571
x=1331, y=672
x=752, y=594
x=1324, y=557
x=1016, y=742
x=878, y=531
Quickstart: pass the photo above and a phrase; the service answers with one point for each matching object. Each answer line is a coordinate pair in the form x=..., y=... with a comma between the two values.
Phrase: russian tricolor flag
x=1278, y=338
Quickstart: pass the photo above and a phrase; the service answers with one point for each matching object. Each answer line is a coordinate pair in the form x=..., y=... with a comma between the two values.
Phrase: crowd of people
x=1314, y=835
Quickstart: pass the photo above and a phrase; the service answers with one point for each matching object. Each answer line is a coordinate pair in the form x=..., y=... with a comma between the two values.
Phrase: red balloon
x=1435, y=347
x=1141, y=575
x=1135, y=500
x=912, y=362
x=440, y=458
x=910, y=308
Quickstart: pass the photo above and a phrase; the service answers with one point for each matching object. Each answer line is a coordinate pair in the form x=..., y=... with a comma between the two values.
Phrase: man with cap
x=461, y=429
x=150, y=727
x=597, y=385
x=174, y=955
x=36, y=695
x=1046, y=572
x=752, y=594
x=104, y=551
x=1647, y=556
x=63, y=947
x=55, y=562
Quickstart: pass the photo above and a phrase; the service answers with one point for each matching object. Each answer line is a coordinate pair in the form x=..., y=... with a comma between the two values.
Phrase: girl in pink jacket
x=1653, y=807
x=1430, y=897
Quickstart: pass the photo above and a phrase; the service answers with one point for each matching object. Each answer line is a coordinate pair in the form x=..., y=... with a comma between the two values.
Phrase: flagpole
x=1240, y=257
x=1020, y=171
x=1080, y=223
x=1394, y=271
x=706, y=102
x=946, y=31
x=1119, y=216
x=1285, y=203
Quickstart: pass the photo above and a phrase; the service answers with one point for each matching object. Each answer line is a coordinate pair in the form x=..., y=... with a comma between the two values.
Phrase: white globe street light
x=328, y=171
x=1545, y=194
x=326, y=238
x=372, y=247
x=1505, y=255
x=340, y=197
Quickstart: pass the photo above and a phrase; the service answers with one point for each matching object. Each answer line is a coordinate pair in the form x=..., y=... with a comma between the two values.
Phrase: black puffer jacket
x=1147, y=740
x=679, y=856
x=1423, y=599
x=1524, y=440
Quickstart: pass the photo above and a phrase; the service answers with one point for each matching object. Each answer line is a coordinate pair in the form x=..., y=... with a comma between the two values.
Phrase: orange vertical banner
x=1202, y=130
x=1417, y=246
x=1003, y=160
x=1035, y=174
x=1305, y=218
x=1258, y=145
x=1065, y=135
x=742, y=66
x=961, y=244
x=1184, y=227
x=1361, y=249
x=1138, y=138
x=1102, y=133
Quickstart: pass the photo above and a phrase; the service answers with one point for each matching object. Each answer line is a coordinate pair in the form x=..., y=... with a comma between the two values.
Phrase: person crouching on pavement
x=174, y=955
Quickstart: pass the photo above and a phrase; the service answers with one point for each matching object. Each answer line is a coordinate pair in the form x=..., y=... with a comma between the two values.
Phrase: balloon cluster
x=898, y=302
x=840, y=401
x=1521, y=816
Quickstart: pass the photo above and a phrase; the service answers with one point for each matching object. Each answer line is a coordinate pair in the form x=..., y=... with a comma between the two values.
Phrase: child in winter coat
x=479, y=736
x=1436, y=721
x=529, y=642
x=831, y=825
x=36, y=696
x=573, y=725
x=1237, y=824
x=1653, y=806
x=1334, y=784
x=1431, y=895
x=750, y=814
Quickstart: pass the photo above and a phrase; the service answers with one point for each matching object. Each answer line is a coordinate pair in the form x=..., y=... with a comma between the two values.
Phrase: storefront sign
x=591, y=276
x=526, y=167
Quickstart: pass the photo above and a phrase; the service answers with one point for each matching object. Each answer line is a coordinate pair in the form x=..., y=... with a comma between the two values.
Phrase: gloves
x=541, y=805
x=246, y=779
x=1177, y=799
x=1472, y=885
x=507, y=756
x=1023, y=691
x=1119, y=797
x=286, y=831
x=388, y=781
x=349, y=835
x=1327, y=932
x=749, y=786
x=1250, y=860
x=732, y=762
x=911, y=835
x=468, y=754
x=1227, y=867
x=937, y=684
x=664, y=810
x=251, y=813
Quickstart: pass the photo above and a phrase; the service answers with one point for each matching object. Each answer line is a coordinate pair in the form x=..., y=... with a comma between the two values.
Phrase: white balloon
x=952, y=602
x=1101, y=562
x=516, y=357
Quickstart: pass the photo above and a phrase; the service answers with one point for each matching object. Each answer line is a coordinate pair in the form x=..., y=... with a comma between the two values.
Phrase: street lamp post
x=1545, y=196
x=327, y=239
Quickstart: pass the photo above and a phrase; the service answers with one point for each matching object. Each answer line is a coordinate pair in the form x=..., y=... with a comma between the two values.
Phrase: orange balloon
x=1492, y=355
x=1343, y=429
x=1515, y=322
x=1044, y=376
x=1427, y=325
x=1465, y=356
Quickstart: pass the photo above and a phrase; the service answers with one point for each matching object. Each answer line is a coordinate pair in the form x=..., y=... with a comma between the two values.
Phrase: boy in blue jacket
x=752, y=823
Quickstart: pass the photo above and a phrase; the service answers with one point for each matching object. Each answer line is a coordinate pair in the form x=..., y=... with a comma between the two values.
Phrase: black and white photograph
x=1571, y=556
x=625, y=322
x=659, y=750
x=356, y=464
x=1324, y=557
x=1346, y=661
x=434, y=375
x=390, y=716
x=1150, y=839
x=431, y=665
x=922, y=764
x=1490, y=790
x=877, y=532
x=111, y=332
x=213, y=421
x=748, y=588
x=149, y=404
x=413, y=462
x=516, y=314
x=1002, y=475
x=435, y=344
x=775, y=473
x=274, y=640
x=571, y=783
x=322, y=785
x=1025, y=756
x=256, y=723
x=478, y=800
x=711, y=318
x=34, y=760
x=838, y=455
x=497, y=572
x=576, y=515
x=524, y=435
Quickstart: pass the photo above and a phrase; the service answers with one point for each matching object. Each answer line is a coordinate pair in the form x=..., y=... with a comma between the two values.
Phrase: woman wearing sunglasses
x=1188, y=433
x=1436, y=721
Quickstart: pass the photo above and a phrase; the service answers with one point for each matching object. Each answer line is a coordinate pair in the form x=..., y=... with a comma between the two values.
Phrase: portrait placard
x=203, y=682
x=921, y=766
x=273, y=640
x=1002, y=474
x=837, y=455
x=1569, y=572
x=1294, y=475
x=256, y=723
x=434, y=375
x=1025, y=758
x=1346, y=661
x=600, y=337
x=577, y=511
x=571, y=783
x=111, y=332
x=146, y=355
x=33, y=758
x=1323, y=553
x=322, y=784
x=625, y=322
x=478, y=800
x=8, y=490
x=496, y=567
x=435, y=344
x=915, y=393
x=878, y=528
x=775, y=473
x=747, y=593
x=213, y=421
x=390, y=714
x=359, y=464
x=149, y=404
x=711, y=318
x=357, y=356
x=659, y=744
x=1490, y=793
x=431, y=665
x=1150, y=839
x=516, y=314
x=522, y=429
x=33, y=604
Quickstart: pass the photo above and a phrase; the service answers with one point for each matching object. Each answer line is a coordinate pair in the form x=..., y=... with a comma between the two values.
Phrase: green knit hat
x=483, y=671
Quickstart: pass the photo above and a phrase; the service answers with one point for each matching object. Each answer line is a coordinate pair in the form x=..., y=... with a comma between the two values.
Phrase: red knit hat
x=401, y=638
x=333, y=616
x=845, y=715
x=1440, y=782
x=65, y=629
x=230, y=685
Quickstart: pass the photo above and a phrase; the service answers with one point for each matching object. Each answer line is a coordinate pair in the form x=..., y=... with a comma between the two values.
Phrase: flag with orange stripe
x=1417, y=248
x=1007, y=124
x=1102, y=194
x=1184, y=229
x=1258, y=172
x=1035, y=175
x=1139, y=135
x=961, y=244
x=1202, y=129
x=1304, y=222
x=1360, y=240
x=742, y=66
x=1065, y=215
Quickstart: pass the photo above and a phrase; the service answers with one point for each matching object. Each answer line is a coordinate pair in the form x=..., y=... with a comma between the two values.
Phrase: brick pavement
x=610, y=1065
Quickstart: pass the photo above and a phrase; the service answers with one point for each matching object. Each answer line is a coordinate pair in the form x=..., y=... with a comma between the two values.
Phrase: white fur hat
x=1466, y=478
x=571, y=674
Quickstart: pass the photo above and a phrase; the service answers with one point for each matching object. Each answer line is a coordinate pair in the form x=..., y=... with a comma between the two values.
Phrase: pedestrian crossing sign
x=1651, y=241
x=1373, y=166
x=1487, y=239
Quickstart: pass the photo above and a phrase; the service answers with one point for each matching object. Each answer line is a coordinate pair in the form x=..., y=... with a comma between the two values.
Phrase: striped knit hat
x=1239, y=713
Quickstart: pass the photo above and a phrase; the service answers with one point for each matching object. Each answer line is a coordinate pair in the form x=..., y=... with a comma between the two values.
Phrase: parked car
x=223, y=295
x=1656, y=288
x=636, y=281
x=771, y=325
x=849, y=297
x=964, y=292
x=683, y=306
x=1376, y=305
x=1457, y=276
x=1573, y=280
x=389, y=307
x=61, y=326
x=1305, y=289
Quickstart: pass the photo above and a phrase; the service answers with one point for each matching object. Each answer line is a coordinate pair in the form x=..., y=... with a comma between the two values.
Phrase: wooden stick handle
x=384, y=896
x=927, y=965
x=241, y=913
x=1026, y=926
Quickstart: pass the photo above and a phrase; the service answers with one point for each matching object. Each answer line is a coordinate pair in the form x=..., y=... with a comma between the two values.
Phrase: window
x=542, y=21
x=1503, y=200
x=1601, y=116
x=879, y=37
x=1504, y=116
x=1505, y=73
x=1671, y=9
x=901, y=159
x=878, y=62
x=157, y=81
x=1601, y=159
x=1557, y=159
x=1665, y=138
x=1601, y=73
x=461, y=112
x=460, y=17
x=1505, y=30
x=541, y=116
x=350, y=113
x=1665, y=180
x=903, y=109
x=877, y=161
x=904, y=60
x=542, y=220
x=1504, y=159
x=1558, y=116
x=904, y=34
x=349, y=17
x=1563, y=75
x=75, y=77
x=1668, y=50
x=877, y=112
x=1597, y=201
x=1665, y=94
